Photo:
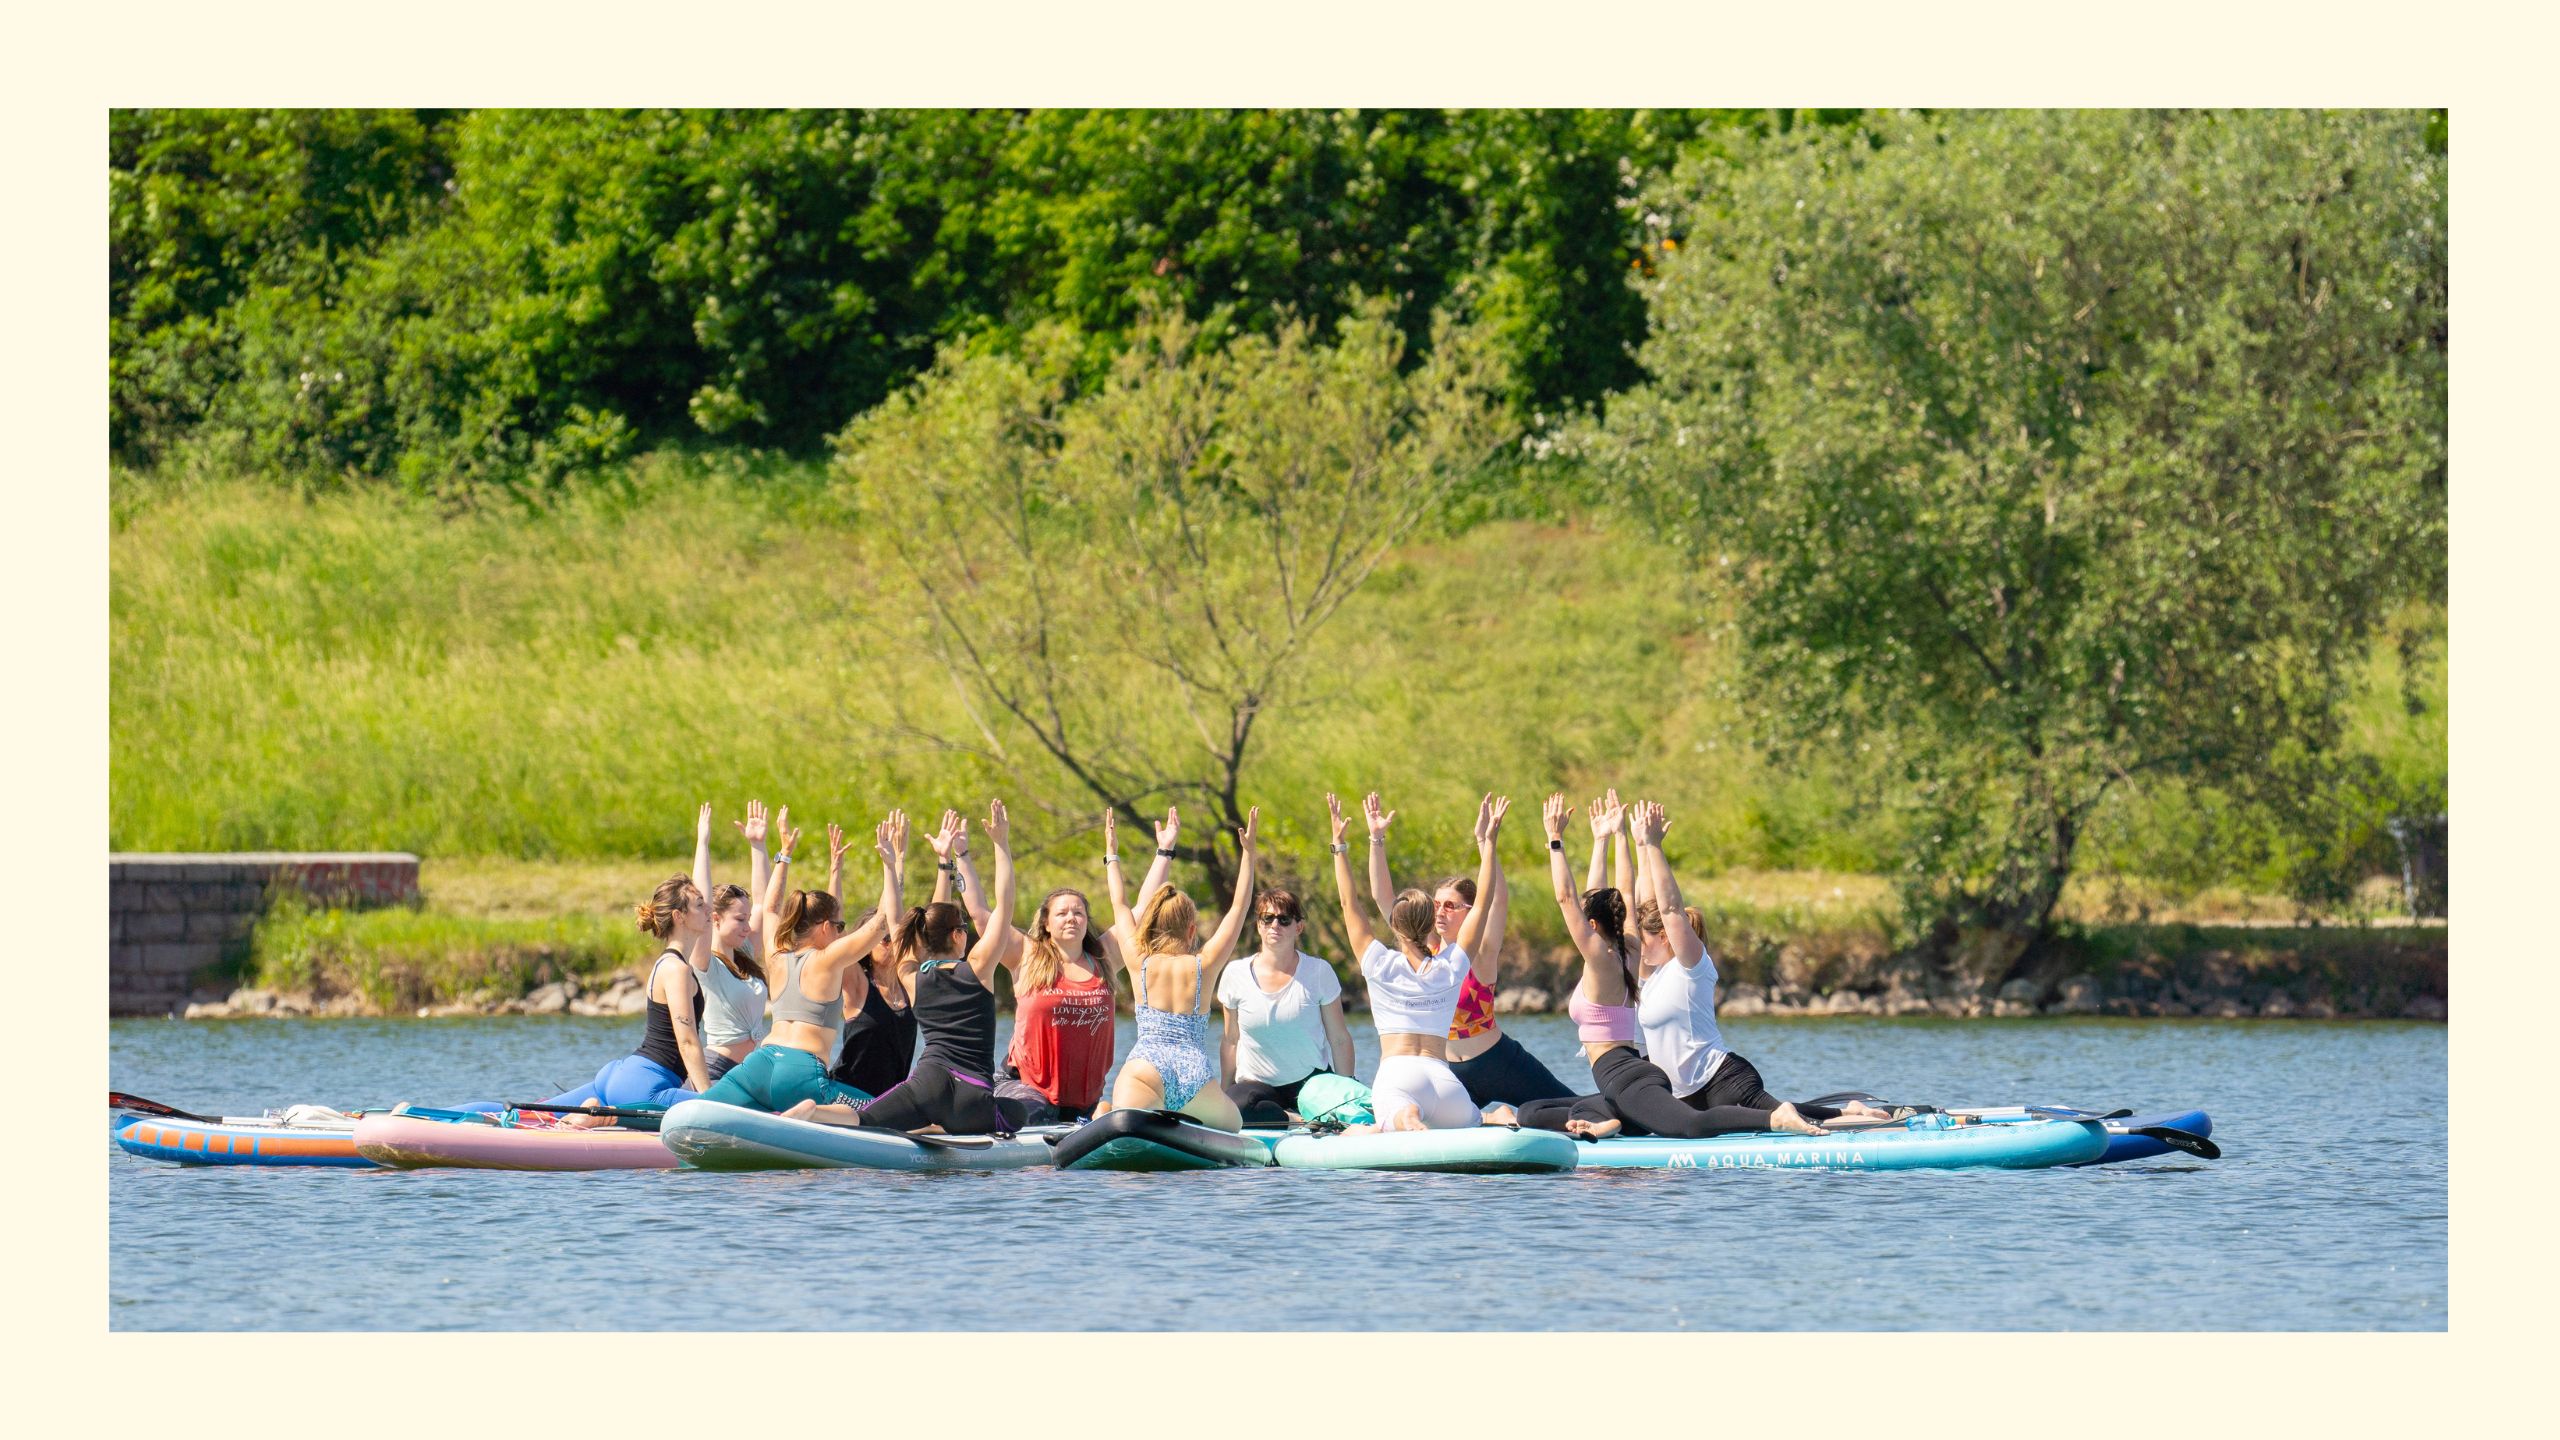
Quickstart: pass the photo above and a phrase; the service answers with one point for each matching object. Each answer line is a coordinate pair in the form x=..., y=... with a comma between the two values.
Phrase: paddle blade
x=2176, y=1139
x=118, y=1100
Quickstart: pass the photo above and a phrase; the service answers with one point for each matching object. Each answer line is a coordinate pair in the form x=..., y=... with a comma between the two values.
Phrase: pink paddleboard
x=407, y=1142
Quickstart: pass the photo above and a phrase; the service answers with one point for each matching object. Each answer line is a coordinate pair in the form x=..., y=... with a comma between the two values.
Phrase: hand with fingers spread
x=1379, y=816
x=1333, y=810
x=1607, y=817
x=1500, y=807
x=898, y=833
x=790, y=840
x=1170, y=828
x=836, y=844
x=752, y=828
x=999, y=827
x=1649, y=824
x=1557, y=812
x=942, y=837
x=782, y=824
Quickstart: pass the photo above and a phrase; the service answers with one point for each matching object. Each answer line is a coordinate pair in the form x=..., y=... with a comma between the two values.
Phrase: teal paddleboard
x=1926, y=1142
x=708, y=1135
x=1477, y=1150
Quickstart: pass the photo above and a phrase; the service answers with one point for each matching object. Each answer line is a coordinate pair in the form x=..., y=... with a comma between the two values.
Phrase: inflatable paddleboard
x=711, y=1136
x=1156, y=1140
x=242, y=1140
x=1477, y=1150
x=1925, y=1142
x=412, y=1142
x=2124, y=1138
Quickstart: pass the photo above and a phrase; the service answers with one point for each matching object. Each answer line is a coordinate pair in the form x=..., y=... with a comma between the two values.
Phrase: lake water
x=2327, y=1211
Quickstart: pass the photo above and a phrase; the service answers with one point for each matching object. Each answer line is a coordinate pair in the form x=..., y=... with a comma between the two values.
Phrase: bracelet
x=1555, y=845
x=782, y=859
x=948, y=869
x=1377, y=837
x=1340, y=848
x=1109, y=859
x=1164, y=852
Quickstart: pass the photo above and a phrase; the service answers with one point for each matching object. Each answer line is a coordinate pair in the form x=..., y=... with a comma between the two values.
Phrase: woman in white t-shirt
x=1284, y=1017
x=1413, y=987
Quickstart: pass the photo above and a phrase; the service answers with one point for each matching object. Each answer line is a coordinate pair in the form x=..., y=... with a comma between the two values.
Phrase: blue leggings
x=629, y=1080
x=776, y=1077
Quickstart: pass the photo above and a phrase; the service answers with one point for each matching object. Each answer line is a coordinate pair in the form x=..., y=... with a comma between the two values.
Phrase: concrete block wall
x=170, y=916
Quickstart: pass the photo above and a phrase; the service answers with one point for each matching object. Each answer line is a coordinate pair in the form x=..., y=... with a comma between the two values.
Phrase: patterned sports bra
x=1475, y=1009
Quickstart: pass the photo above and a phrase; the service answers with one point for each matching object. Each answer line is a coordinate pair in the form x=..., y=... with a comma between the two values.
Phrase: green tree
x=2048, y=451
x=204, y=204
x=1122, y=586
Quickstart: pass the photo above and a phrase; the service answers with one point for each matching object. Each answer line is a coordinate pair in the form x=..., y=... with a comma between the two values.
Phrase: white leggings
x=1427, y=1084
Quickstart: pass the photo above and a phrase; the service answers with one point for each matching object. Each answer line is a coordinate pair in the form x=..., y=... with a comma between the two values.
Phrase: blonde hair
x=1649, y=918
x=1411, y=919
x=1042, y=960
x=1167, y=922
x=657, y=914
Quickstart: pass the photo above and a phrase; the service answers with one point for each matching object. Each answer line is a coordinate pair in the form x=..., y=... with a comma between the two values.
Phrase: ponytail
x=806, y=910
x=926, y=932
x=1606, y=909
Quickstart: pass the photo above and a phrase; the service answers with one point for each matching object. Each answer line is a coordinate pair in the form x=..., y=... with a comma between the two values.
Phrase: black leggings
x=936, y=1094
x=1263, y=1103
x=1635, y=1091
x=1508, y=1074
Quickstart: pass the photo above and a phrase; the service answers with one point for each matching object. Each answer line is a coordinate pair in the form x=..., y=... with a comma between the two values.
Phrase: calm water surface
x=2327, y=1211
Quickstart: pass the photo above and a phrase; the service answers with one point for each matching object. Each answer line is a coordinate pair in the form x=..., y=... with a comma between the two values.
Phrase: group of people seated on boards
x=770, y=996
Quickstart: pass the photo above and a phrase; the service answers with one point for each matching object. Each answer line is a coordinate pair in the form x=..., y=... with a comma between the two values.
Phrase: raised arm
x=1622, y=868
x=1160, y=870
x=836, y=846
x=1355, y=917
x=757, y=871
x=889, y=842
x=779, y=876
x=1222, y=942
x=1597, y=873
x=1686, y=945
x=1382, y=886
x=1487, y=956
x=701, y=878
x=997, y=937
x=1489, y=812
x=702, y=851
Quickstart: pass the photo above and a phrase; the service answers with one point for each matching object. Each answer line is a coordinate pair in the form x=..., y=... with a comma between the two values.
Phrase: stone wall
x=172, y=918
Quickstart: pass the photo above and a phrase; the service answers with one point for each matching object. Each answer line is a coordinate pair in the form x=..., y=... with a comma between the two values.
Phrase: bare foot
x=1592, y=1129
x=1406, y=1117
x=1500, y=1114
x=1786, y=1118
x=587, y=1119
x=926, y=1130
x=1861, y=1107
x=800, y=1111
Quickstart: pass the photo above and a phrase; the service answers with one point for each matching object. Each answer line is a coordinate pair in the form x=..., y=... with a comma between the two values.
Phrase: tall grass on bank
x=396, y=959
x=557, y=688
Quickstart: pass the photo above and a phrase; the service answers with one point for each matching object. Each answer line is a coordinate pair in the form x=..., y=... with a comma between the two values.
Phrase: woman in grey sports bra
x=808, y=949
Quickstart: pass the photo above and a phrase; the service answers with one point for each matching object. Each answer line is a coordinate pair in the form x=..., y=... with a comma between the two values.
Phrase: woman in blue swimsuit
x=1175, y=1065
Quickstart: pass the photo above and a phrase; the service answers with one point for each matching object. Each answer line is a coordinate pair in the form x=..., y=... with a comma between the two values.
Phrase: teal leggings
x=777, y=1077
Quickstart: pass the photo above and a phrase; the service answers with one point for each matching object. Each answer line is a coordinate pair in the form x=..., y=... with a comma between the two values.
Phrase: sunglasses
x=1283, y=920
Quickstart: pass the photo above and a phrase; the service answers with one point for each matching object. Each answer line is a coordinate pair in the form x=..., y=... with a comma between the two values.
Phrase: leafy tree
x=204, y=204
x=2048, y=451
x=1123, y=586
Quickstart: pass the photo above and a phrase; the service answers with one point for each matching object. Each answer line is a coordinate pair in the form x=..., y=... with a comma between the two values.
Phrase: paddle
x=118, y=1100
x=615, y=1112
x=2169, y=1135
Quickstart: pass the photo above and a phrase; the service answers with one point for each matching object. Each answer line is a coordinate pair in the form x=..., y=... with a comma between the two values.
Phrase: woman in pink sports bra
x=1633, y=1089
x=1494, y=1068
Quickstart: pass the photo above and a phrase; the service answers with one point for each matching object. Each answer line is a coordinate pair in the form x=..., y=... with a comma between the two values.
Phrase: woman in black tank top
x=879, y=1038
x=951, y=977
x=668, y=1065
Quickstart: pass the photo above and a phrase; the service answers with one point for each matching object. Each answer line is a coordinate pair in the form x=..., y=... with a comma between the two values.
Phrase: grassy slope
x=538, y=701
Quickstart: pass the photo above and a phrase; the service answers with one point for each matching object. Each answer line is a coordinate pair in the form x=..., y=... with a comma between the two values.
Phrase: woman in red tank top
x=1065, y=1014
